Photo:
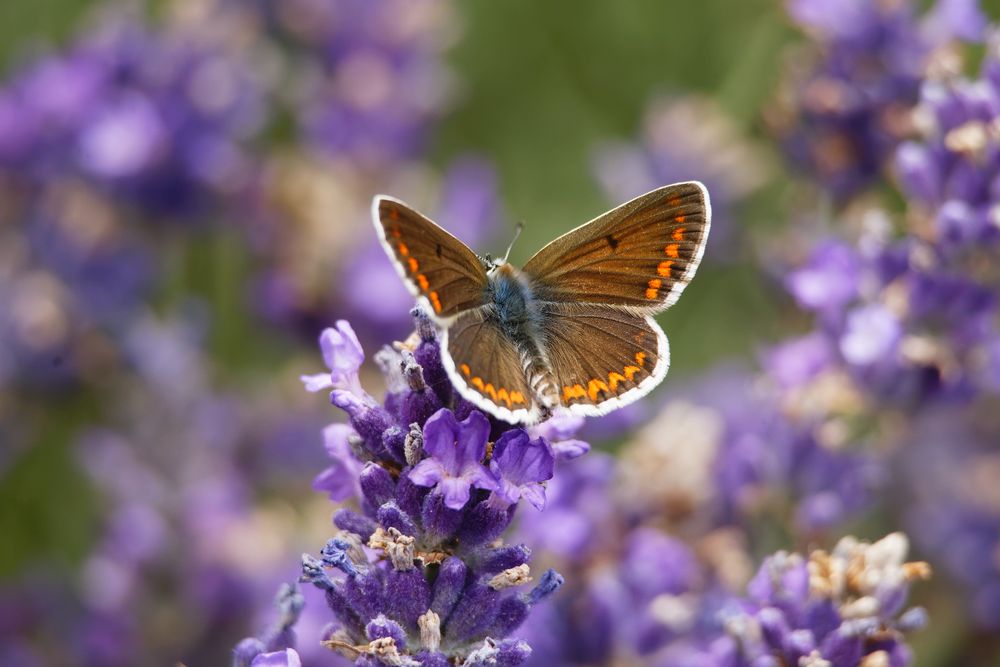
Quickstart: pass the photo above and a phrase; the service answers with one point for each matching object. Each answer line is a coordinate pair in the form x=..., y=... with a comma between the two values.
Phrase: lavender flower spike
x=456, y=449
x=520, y=465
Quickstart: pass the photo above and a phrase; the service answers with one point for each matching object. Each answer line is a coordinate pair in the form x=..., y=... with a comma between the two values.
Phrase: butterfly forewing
x=641, y=254
x=602, y=357
x=433, y=263
x=486, y=366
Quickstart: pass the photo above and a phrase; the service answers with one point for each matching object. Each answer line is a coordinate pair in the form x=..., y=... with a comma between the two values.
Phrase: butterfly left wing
x=487, y=368
x=641, y=254
x=602, y=357
x=434, y=264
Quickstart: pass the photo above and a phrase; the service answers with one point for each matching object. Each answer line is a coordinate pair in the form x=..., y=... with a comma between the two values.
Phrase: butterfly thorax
x=510, y=295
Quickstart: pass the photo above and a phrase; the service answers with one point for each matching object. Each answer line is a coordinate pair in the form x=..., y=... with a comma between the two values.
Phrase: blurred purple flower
x=456, y=450
x=829, y=280
x=871, y=333
x=841, y=115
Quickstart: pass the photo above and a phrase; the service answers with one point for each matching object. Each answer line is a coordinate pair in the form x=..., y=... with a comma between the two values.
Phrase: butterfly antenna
x=517, y=232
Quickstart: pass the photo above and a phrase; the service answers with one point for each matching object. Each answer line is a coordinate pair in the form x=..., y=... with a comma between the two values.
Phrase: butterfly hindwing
x=434, y=264
x=602, y=357
x=641, y=254
x=486, y=366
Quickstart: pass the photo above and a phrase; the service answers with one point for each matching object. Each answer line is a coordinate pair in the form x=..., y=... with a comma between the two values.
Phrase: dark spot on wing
x=612, y=241
x=437, y=250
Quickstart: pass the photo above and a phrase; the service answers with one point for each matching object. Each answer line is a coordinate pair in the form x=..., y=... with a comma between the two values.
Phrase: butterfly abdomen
x=520, y=316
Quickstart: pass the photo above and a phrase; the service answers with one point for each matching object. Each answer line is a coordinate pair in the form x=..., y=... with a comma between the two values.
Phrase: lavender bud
x=381, y=627
x=504, y=558
x=353, y=522
x=313, y=573
x=474, y=613
x=407, y=594
x=484, y=523
x=448, y=586
x=391, y=516
x=377, y=484
x=394, y=444
x=513, y=652
x=440, y=521
x=513, y=612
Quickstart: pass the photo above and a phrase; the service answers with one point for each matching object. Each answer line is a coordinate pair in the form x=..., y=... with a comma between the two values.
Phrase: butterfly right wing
x=601, y=357
x=433, y=264
x=640, y=255
x=487, y=368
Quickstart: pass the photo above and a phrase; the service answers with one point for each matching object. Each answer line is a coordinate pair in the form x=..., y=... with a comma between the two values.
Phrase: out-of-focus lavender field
x=185, y=191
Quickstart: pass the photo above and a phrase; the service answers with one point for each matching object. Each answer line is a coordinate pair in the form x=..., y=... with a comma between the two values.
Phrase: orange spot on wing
x=672, y=251
x=614, y=379
x=675, y=201
x=516, y=397
x=477, y=382
x=394, y=231
x=502, y=395
x=489, y=389
x=393, y=214
x=664, y=268
x=403, y=249
x=630, y=372
x=653, y=288
x=414, y=266
x=595, y=387
x=679, y=232
x=576, y=391
x=466, y=371
x=422, y=281
x=640, y=358
x=435, y=301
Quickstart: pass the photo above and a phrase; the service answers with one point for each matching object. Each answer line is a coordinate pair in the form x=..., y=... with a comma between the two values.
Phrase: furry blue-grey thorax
x=514, y=306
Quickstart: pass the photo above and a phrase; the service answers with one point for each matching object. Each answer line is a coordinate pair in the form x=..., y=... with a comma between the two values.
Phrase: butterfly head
x=493, y=263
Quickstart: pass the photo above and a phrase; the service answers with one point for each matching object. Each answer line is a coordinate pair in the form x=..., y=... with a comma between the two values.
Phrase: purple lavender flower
x=519, y=466
x=340, y=480
x=455, y=449
x=436, y=585
x=343, y=355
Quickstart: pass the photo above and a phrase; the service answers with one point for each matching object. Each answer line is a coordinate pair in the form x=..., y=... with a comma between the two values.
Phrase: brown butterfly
x=573, y=328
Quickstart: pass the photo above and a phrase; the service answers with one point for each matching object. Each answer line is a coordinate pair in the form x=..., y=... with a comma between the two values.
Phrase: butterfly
x=573, y=328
